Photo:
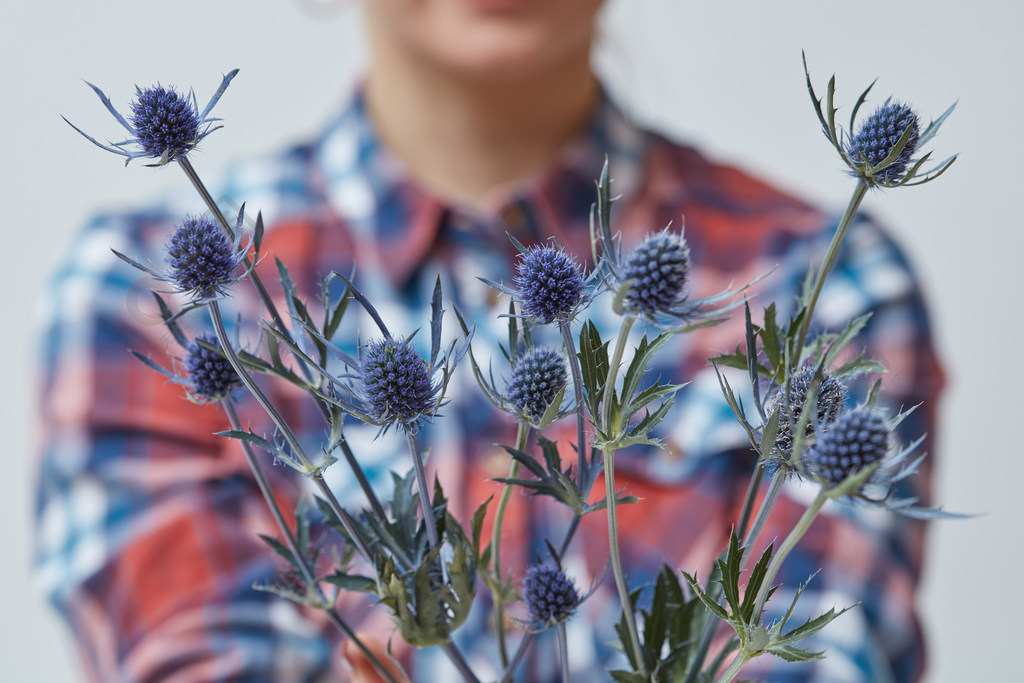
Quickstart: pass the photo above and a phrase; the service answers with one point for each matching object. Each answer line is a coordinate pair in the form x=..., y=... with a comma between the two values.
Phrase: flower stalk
x=300, y=558
x=608, y=454
x=826, y=267
x=522, y=434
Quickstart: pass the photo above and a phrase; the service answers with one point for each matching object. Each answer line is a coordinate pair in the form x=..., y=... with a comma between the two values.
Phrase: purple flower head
x=830, y=400
x=550, y=284
x=878, y=136
x=165, y=121
x=201, y=258
x=210, y=375
x=658, y=270
x=859, y=438
x=550, y=595
x=396, y=381
x=536, y=379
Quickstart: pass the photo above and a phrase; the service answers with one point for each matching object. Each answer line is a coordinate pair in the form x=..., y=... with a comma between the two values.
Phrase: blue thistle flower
x=163, y=123
x=877, y=138
x=396, y=381
x=880, y=136
x=830, y=400
x=210, y=375
x=201, y=258
x=657, y=272
x=550, y=595
x=550, y=283
x=537, y=378
x=856, y=440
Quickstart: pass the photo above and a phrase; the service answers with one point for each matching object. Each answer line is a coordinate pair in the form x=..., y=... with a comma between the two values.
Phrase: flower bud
x=164, y=121
x=879, y=134
x=550, y=283
x=657, y=271
x=550, y=594
x=396, y=381
x=201, y=258
x=536, y=379
x=857, y=439
x=210, y=375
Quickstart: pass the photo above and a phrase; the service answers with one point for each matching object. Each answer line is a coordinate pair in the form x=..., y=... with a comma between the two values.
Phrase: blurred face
x=493, y=39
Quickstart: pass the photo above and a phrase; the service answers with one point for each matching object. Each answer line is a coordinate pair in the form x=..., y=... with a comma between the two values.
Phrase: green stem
x=610, y=432
x=563, y=652
x=748, y=540
x=286, y=432
x=522, y=434
x=357, y=470
x=826, y=266
x=577, y=386
x=421, y=483
x=300, y=559
x=780, y=555
x=734, y=669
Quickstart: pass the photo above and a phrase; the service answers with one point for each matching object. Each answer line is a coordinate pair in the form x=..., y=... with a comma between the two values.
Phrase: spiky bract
x=396, y=381
x=536, y=379
x=550, y=595
x=550, y=283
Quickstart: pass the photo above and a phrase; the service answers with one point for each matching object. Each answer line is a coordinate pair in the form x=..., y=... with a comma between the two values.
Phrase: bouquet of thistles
x=406, y=549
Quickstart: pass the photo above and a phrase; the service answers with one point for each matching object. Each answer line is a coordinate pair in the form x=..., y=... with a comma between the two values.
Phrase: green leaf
x=794, y=654
x=713, y=606
x=477, y=525
x=757, y=575
x=279, y=548
x=770, y=337
x=730, y=568
x=352, y=582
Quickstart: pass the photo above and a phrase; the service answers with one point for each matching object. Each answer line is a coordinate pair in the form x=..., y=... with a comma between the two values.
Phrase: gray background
x=724, y=74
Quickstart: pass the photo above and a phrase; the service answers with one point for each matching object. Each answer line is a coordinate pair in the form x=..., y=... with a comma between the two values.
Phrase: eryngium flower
x=201, y=258
x=210, y=375
x=165, y=124
x=830, y=400
x=550, y=595
x=550, y=283
x=878, y=136
x=396, y=381
x=536, y=379
x=165, y=121
x=657, y=271
x=856, y=440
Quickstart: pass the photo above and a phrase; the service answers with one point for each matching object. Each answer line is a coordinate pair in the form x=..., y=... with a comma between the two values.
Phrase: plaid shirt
x=147, y=522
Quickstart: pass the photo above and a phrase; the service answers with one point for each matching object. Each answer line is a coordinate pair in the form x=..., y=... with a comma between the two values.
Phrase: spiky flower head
x=163, y=124
x=396, y=381
x=657, y=271
x=859, y=438
x=550, y=595
x=201, y=258
x=165, y=121
x=878, y=136
x=830, y=400
x=550, y=283
x=536, y=379
x=210, y=375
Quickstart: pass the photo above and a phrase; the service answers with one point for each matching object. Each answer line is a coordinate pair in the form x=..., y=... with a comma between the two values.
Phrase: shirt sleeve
x=146, y=521
x=869, y=559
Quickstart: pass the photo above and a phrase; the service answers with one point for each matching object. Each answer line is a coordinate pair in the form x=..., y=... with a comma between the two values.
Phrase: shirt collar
x=398, y=222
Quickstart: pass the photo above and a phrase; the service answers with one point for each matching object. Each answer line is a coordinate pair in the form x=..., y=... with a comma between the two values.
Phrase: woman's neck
x=462, y=138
